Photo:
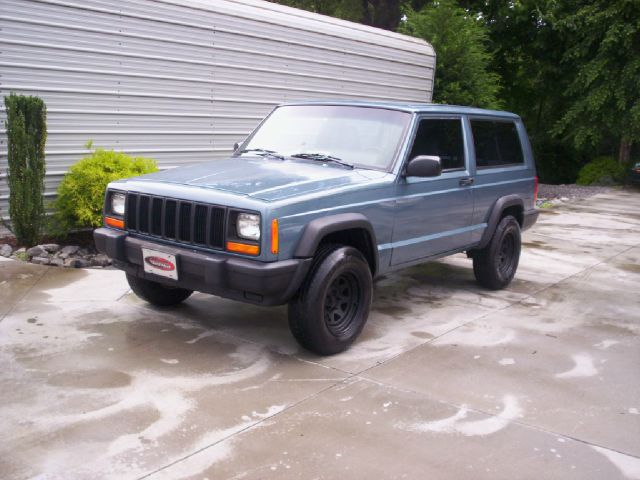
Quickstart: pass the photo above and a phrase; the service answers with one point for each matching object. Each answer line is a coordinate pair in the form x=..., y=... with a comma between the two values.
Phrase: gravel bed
x=569, y=192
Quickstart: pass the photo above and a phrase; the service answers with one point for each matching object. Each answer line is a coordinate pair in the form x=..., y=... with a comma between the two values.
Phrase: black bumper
x=529, y=218
x=261, y=283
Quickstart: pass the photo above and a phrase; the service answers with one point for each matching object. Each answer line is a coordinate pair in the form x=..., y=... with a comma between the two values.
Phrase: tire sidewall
x=507, y=226
x=339, y=261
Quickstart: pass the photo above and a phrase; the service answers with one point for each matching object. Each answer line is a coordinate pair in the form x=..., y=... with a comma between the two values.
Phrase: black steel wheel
x=495, y=265
x=332, y=306
x=341, y=304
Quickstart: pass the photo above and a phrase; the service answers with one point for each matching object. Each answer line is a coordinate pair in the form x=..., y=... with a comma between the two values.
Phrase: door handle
x=465, y=182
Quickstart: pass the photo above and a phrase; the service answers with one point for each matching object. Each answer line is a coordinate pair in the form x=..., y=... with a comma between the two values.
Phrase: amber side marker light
x=114, y=222
x=243, y=248
x=274, y=236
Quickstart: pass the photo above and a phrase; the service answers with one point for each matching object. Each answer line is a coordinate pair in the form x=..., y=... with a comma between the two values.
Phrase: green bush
x=81, y=192
x=26, y=136
x=601, y=171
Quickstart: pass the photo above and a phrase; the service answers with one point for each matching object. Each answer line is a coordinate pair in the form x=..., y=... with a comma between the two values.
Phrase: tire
x=157, y=294
x=332, y=306
x=495, y=265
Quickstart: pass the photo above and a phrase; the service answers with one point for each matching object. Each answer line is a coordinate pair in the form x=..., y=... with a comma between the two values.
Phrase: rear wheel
x=495, y=265
x=156, y=293
x=332, y=306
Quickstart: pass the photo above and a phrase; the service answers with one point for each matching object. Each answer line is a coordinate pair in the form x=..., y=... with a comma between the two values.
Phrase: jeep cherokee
x=319, y=200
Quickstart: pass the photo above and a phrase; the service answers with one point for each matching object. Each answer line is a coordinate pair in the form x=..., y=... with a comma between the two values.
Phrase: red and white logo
x=161, y=263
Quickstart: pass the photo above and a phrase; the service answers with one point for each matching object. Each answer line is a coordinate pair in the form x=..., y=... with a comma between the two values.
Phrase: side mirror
x=236, y=146
x=424, y=166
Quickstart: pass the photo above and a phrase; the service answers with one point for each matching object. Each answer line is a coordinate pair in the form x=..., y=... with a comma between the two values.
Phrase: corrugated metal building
x=181, y=81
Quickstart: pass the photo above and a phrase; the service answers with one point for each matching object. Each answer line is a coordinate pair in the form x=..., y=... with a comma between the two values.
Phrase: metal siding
x=181, y=81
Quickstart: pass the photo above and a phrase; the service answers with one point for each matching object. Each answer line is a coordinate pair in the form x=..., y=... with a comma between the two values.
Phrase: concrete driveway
x=448, y=381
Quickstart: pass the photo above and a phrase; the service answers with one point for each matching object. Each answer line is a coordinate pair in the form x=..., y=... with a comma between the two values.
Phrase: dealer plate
x=160, y=263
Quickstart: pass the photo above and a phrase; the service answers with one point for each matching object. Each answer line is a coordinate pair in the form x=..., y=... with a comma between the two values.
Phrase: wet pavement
x=448, y=381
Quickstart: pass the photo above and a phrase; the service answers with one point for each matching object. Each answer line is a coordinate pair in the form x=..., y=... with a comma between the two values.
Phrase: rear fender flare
x=496, y=214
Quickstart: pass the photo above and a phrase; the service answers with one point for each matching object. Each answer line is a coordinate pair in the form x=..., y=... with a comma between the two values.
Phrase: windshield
x=362, y=136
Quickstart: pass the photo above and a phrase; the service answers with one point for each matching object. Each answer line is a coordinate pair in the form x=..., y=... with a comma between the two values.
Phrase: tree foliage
x=26, y=126
x=602, y=50
x=459, y=39
x=570, y=68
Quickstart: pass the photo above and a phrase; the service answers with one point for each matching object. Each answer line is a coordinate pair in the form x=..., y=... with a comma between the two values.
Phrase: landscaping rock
x=36, y=251
x=53, y=254
x=41, y=260
x=100, y=261
x=69, y=250
x=6, y=250
x=58, y=262
x=77, y=263
x=50, y=247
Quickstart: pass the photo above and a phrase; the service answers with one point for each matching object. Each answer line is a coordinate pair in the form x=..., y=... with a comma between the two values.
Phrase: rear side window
x=441, y=138
x=497, y=143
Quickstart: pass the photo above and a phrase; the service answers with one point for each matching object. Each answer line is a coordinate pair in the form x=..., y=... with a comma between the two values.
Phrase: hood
x=264, y=178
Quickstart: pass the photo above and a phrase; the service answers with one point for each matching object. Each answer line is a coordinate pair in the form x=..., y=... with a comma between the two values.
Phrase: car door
x=433, y=215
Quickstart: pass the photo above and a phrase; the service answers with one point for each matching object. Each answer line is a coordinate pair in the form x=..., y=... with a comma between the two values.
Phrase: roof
x=411, y=107
x=304, y=21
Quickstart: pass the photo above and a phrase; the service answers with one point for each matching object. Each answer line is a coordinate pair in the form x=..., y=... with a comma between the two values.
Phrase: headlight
x=248, y=226
x=117, y=204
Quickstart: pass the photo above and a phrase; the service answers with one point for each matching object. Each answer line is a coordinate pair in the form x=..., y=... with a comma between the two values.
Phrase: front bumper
x=251, y=281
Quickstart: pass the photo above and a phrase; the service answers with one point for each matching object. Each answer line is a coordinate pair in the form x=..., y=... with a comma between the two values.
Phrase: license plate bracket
x=160, y=263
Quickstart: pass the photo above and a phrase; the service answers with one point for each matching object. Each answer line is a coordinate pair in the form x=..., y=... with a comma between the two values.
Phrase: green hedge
x=81, y=192
x=26, y=136
x=602, y=171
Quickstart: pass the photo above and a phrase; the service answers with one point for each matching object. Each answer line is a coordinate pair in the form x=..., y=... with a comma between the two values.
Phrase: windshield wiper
x=263, y=152
x=321, y=157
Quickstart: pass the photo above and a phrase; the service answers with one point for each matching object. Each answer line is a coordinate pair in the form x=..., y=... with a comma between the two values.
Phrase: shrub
x=81, y=192
x=601, y=171
x=26, y=136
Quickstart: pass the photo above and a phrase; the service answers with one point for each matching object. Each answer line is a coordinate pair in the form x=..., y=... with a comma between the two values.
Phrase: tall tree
x=460, y=41
x=602, y=55
x=527, y=53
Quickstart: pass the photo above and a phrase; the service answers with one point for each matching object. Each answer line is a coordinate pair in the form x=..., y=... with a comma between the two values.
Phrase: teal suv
x=318, y=201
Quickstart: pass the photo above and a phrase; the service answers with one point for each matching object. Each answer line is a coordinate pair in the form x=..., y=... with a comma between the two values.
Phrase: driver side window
x=441, y=137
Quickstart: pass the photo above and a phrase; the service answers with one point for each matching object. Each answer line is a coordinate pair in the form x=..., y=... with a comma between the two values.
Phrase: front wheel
x=495, y=265
x=156, y=293
x=332, y=306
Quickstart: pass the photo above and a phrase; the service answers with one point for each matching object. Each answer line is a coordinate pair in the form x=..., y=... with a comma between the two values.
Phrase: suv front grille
x=179, y=220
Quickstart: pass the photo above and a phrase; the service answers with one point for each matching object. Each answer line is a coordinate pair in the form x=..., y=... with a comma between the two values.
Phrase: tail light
x=535, y=190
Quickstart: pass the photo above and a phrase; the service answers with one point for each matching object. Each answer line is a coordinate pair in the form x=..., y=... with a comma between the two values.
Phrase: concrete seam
x=13, y=307
x=239, y=432
x=516, y=302
x=490, y=414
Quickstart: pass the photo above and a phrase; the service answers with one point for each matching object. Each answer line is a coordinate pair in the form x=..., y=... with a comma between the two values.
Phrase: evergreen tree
x=460, y=41
x=26, y=137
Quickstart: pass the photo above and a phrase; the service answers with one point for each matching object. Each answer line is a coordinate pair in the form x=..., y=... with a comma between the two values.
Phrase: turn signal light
x=274, y=236
x=114, y=222
x=535, y=190
x=243, y=248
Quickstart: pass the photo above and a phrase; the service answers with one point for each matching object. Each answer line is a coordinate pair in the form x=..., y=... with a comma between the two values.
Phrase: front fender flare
x=317, y=229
